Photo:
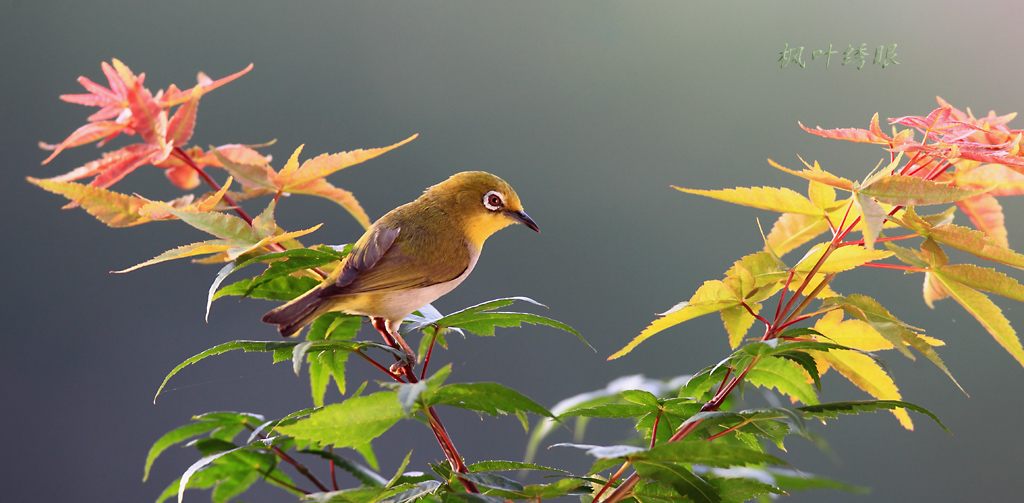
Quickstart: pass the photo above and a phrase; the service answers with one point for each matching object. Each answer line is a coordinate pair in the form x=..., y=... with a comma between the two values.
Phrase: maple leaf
x=816, y=174
x=939, y=125
x=1009, y=182
x=960, y=135
x=235, y=237
x=782, y=200
x=184, y=177
x=984, y=152
x=860, y=369
x=986, y=214
x=308, y=178
x=712, y=296
x=110, y=168
x=111, y=208
x=792, y=230
x=175, y=97
x=136, y=110
x=993, y=126
x=88, y=133
x=873, y=134
x=110, y=100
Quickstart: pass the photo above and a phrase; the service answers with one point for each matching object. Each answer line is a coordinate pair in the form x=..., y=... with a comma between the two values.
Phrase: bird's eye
x=493, y=200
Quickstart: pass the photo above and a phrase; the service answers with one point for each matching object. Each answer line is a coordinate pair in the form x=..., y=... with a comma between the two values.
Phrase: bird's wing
x=383, y=262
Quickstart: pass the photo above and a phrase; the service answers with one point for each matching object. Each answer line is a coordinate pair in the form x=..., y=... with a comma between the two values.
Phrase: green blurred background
x=590, y=109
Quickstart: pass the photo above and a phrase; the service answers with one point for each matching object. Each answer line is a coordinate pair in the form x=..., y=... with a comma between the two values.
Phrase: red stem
x=615, y=476
x=430, y=350
x=784, y=326
x=181, y=154
x=379, y=366
x=785, y=289
x=289, y=486
x=298, y=466
x=726, y=431
x=725, y=379
x=842, y=222
x=755, y=315
x=654, y=430
x=334, y=480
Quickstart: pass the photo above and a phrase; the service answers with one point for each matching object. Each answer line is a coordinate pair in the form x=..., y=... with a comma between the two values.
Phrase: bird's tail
x=291, y=317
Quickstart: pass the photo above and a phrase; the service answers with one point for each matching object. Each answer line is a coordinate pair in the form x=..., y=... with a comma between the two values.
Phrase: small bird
x=411, y=256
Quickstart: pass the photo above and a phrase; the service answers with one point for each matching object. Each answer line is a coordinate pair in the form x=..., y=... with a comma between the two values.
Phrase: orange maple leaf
x=986, y=214
x=873, y=134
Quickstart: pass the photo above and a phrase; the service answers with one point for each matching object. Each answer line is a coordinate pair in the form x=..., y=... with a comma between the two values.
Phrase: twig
x=181, y=154
x=379, y=366
x=298, y=466
x=289, y=486
x=807, y=299
x=334, y=480
x=430, y=350
x=654, y=430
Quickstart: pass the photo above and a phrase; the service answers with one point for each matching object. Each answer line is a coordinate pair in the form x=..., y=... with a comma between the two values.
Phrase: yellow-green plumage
x=412, y=255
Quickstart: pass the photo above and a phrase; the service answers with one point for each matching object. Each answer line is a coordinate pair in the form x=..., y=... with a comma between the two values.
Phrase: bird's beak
x=523, y=218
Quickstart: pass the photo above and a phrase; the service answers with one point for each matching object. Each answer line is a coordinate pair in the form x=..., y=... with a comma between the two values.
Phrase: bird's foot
x=407, y=361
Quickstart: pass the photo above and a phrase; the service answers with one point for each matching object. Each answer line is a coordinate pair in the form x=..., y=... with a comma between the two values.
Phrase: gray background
x=590, y=109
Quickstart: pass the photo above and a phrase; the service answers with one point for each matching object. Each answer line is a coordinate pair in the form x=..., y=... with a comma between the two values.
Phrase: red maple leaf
x=134, y=110
x=984, y=153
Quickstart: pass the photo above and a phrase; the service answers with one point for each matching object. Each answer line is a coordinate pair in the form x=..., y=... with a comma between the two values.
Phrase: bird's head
x=481, y=203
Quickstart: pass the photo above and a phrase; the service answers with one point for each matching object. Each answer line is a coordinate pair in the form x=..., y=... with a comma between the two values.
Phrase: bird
x=410, y=257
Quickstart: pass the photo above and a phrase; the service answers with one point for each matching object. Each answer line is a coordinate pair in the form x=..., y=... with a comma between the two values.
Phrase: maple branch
x=839, y=230
x=940, y=168
x=630, y=482
x=786, y=325
x=807, y=280
x=913, y=162
x=725, y=378
x=443, y=439
x=283, y=483
x=807, y=300
x=181, y=154
x=298, y=466
x=379, y=366
x=782, y=299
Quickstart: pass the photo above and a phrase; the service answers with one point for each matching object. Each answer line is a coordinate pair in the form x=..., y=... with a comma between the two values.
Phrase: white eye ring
x=493, y=200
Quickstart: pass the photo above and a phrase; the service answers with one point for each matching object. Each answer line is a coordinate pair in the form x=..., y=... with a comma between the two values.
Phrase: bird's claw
x=407, y=361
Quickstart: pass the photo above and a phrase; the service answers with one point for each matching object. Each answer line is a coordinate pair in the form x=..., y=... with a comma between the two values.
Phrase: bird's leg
x=396, y=341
